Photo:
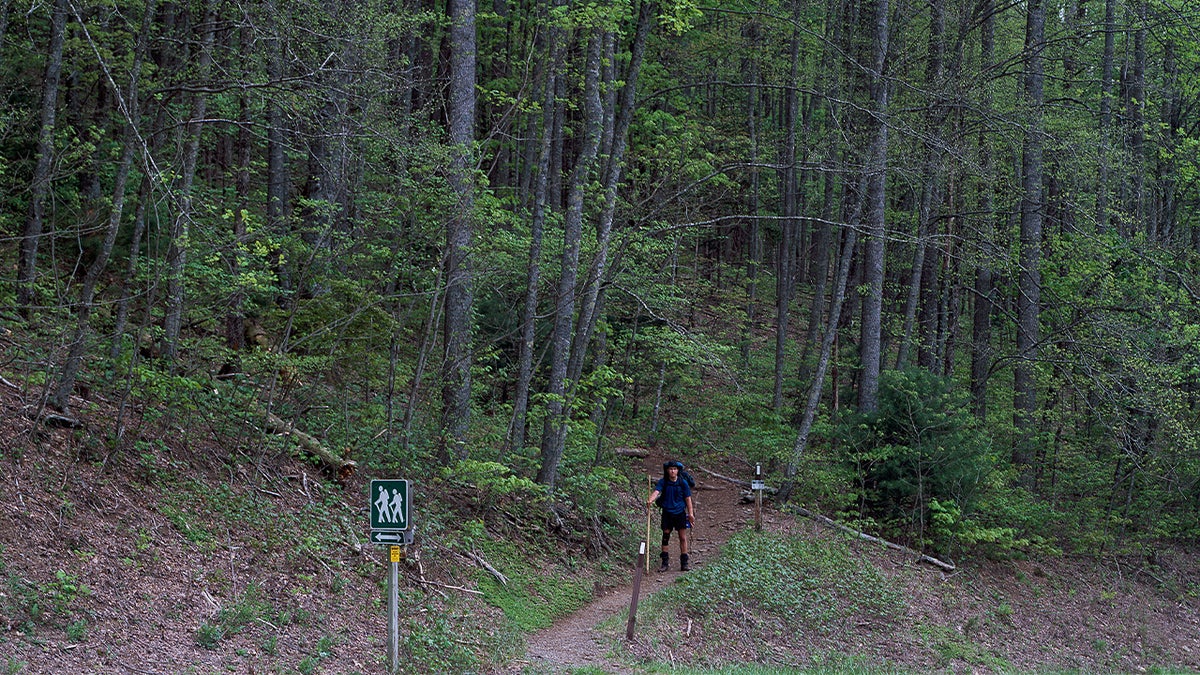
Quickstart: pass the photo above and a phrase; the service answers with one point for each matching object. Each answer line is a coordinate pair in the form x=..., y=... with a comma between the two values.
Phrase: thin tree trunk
x=3, y=22
x=177, y=249
x=621, y=119
x=31, y=235
x=1106, y=96
x=930, y=176
x=981, y=334
x=1029, y=283
x=277, y=178
x=1136, y=106
x=755, y=258
x=456, y=375
x=818, y=383
x=426, y=346
x=555, y=429
x=870, y=349
x=235, y=319
x=790, y=225
x=66, y=382
x=516, y=428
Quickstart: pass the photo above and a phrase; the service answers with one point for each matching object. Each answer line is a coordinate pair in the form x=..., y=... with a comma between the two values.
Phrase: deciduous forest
x=932, y=264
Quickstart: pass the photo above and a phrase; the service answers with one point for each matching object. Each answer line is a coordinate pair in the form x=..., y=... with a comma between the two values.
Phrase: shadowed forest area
x=932, y=265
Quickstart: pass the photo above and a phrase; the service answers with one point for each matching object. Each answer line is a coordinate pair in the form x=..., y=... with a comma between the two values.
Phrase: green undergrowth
x=765, y=598
x=532, y=599
x=806, y=583
x=842, y=667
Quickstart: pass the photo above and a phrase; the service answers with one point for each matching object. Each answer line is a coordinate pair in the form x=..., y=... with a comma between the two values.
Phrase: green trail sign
x=390, y=506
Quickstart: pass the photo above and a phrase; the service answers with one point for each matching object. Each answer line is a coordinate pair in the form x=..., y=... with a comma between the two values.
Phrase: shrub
x=921, y=448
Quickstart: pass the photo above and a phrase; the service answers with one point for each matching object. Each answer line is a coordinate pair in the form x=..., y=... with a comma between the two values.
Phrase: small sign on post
x=390, y=505
x=391, y=525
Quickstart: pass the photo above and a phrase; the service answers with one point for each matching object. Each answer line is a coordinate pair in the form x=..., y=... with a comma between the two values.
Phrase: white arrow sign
x=391, y=537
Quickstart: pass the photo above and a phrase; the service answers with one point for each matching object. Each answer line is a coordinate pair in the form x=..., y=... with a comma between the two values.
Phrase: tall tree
x=31, y=235
x=984, y=295
x=179, y=237
x=516, y=428
x=870, y=347
x=554, y=433
x=456, y=374
x=616, y=128
x=130, y=108
x=1029, y=284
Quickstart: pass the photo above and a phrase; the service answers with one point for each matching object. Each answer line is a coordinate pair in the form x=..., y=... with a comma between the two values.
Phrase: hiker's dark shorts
x=674, y=521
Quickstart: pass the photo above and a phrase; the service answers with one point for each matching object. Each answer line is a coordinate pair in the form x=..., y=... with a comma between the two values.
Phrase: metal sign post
x=391, y=525
x=395, y=553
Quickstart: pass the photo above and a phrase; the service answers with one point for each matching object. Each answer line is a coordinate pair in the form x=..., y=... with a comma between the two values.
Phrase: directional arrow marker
x=391, y=537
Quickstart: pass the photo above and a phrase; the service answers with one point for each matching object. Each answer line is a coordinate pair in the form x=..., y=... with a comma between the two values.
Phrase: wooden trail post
x=643, y=559
x=757, y=485
x=650, y=480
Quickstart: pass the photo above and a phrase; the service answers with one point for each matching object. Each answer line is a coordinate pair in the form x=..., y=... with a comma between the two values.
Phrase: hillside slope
x=167, y=558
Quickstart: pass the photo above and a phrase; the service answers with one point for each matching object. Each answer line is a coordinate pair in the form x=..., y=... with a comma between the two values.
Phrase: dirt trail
x=573, y=642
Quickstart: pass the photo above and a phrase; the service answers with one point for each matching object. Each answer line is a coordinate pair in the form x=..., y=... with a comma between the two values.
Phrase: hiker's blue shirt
x=674, y=495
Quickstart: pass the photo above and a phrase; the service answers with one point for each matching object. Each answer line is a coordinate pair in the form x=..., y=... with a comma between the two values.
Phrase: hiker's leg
x=683, y=542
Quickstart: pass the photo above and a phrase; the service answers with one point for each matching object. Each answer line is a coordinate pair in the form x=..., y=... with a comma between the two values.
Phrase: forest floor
x=1060, y=614
x=102, y=571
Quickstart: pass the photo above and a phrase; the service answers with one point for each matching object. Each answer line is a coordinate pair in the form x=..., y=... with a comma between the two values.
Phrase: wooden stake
x=637, y=586
x=650, y=480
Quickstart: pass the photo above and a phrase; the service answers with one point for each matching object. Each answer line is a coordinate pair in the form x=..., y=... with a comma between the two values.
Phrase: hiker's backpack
x=683, y=476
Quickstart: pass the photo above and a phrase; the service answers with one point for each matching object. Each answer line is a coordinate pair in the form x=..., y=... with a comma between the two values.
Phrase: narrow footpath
x=573, y=641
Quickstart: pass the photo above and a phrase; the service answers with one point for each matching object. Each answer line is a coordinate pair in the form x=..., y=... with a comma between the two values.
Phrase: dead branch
x=487, y=566
x=735, y=481
x=341, y=466
x=920, y=557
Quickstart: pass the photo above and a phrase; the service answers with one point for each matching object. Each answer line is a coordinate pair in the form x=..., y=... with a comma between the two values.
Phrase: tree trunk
x=516, y=428
x=177, y=248
x=1106, y=96
x=1029, y=283
x=817, y=385
x=754, y=261
x=870, y=349
x=790, y=225
x=621, y=119
x=277, y=171
x=87, y=295
x=981, y=333
x=456, y=374
x=39, y=187
x=1136, y=113
x=555, y=429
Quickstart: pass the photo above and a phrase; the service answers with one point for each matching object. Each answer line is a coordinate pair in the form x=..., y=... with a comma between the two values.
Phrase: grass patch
x=233, y=619
x=533, y=598
x=803, y=583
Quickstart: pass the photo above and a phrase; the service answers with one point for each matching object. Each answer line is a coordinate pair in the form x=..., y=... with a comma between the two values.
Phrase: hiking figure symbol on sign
x=390, y=505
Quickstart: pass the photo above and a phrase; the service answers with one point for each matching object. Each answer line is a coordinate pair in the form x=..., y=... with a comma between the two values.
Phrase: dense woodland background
x=933, y=264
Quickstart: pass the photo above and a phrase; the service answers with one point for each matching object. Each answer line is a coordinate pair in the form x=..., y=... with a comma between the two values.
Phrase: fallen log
x=920, y=557
x=341, y=466
x=640, y=453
